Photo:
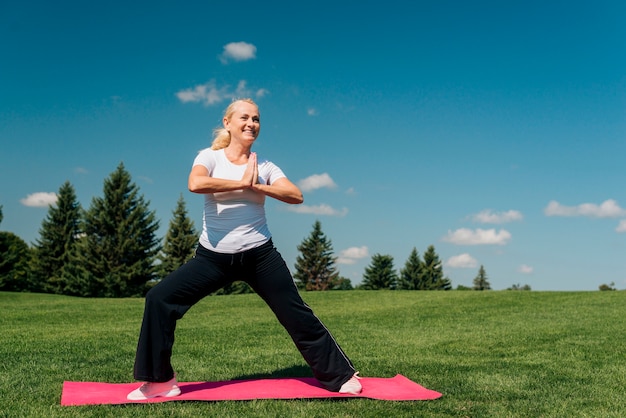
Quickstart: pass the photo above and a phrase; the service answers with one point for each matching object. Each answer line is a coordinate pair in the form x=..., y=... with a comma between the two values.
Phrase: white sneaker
x=352, y=386
x=153, y=389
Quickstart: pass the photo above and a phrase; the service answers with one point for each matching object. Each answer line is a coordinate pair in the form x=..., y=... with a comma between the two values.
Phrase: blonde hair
x=221, y=137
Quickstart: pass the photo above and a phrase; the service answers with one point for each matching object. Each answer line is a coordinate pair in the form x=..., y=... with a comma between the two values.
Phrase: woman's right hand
x=251, y=175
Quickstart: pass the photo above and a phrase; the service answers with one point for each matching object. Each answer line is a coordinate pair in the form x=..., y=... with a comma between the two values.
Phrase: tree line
x=108, y=250
x=316, y=269
x=111, y=250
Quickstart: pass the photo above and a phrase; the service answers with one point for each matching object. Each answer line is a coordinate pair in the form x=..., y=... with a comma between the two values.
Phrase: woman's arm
x=201, y=182
x=282, y=189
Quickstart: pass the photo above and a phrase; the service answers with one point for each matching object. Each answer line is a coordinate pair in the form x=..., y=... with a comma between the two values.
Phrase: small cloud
x=209, y=93
x=607, y=209
x=462, y=261
x=311, y=111
x=488, y=217
x=39, y=199
x=238, y=51
x=81, y=170
x=322, y=209
x=317, y=181
x=146, y=179
x=621, y=227
x=351, y=191
x=525, y=269
x=479, y=236
x=352, y=254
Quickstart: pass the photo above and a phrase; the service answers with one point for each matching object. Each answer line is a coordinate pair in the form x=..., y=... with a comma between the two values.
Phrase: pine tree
x=14, y=262
x=433, y=278
x=380, y=274
x=120, y=245
x=58, y=236
x=235, y=288
x=180, y=241
x=412, y=274
x=315, y=266
x=480, y=281
x=342, y=283
x=76, y=278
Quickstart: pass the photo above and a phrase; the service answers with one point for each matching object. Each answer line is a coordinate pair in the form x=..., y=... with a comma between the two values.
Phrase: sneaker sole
x=167, y=394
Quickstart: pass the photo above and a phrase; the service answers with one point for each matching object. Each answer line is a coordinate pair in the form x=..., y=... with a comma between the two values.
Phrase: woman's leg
x=167, y=302
x=272, y=280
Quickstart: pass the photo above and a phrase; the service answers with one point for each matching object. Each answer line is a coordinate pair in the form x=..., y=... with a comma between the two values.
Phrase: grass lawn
x=491, y=354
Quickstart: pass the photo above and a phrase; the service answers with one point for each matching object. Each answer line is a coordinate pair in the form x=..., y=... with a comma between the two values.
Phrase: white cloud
x=525, y=269
x=210, y=94
x=238, y=51
x=462, y=261
x=488, y=217
x=322, y=209
x=621, y=227
x=352, y=254
x=311, y=111
x=607, y=209
x=317, y=181
x=81, y=170
x=479, y=236
x=39, y=199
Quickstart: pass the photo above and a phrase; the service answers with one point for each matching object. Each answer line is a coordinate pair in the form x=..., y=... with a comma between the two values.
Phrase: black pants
x=264, y=269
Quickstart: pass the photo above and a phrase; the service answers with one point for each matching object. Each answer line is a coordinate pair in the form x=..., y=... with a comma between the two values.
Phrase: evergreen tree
x=519, y=287
x=58, y=236
x=480, y=281
x=315, y=266
x=120, y=245
x=433, y=278
x=342, y=283
x=180, y=241
x=77, y=280
x=235, y=288
x=411, y=276
x=380, y=274
x=14, y=262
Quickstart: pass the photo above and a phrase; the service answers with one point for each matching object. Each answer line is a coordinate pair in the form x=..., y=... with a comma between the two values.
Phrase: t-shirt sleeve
x=206, y=158
x=272, y=172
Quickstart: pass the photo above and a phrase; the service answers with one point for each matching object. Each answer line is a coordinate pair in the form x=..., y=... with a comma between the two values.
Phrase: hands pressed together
x=250, y=177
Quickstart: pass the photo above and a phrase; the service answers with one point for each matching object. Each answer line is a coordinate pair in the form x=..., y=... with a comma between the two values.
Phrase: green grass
x=492, y=354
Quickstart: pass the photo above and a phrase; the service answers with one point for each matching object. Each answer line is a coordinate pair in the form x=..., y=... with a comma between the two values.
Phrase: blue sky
x=495, y=131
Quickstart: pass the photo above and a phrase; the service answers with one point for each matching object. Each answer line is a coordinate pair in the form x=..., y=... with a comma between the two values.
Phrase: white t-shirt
x=234, y=221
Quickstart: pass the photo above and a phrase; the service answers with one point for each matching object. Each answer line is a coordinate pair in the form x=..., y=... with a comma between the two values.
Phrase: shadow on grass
x=298, y=372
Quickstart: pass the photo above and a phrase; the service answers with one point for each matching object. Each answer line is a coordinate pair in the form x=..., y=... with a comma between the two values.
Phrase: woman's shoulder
x=209, y=150
x=207, y=155
x=264, y=161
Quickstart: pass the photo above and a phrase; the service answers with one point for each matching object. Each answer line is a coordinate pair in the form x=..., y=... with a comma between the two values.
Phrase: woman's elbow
x=193, y=186
x=298, y=199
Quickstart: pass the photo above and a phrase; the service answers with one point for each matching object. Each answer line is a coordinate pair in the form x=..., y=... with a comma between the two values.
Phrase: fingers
x=250, y=176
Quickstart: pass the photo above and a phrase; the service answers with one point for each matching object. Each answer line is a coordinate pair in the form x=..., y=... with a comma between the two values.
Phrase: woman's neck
x=237, y=154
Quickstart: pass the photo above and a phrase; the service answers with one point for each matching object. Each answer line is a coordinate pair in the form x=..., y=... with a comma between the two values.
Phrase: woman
x=235, y=244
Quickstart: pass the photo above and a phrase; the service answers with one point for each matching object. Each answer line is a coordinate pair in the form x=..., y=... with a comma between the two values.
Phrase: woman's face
x=245, y=122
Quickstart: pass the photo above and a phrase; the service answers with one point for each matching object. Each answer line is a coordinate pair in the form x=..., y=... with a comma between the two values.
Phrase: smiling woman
x=235, y=244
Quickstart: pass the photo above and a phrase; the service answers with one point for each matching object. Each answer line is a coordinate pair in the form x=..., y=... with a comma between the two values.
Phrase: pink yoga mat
x=397, y=388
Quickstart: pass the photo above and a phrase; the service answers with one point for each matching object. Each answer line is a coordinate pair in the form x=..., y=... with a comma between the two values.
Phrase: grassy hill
x=491, y=354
